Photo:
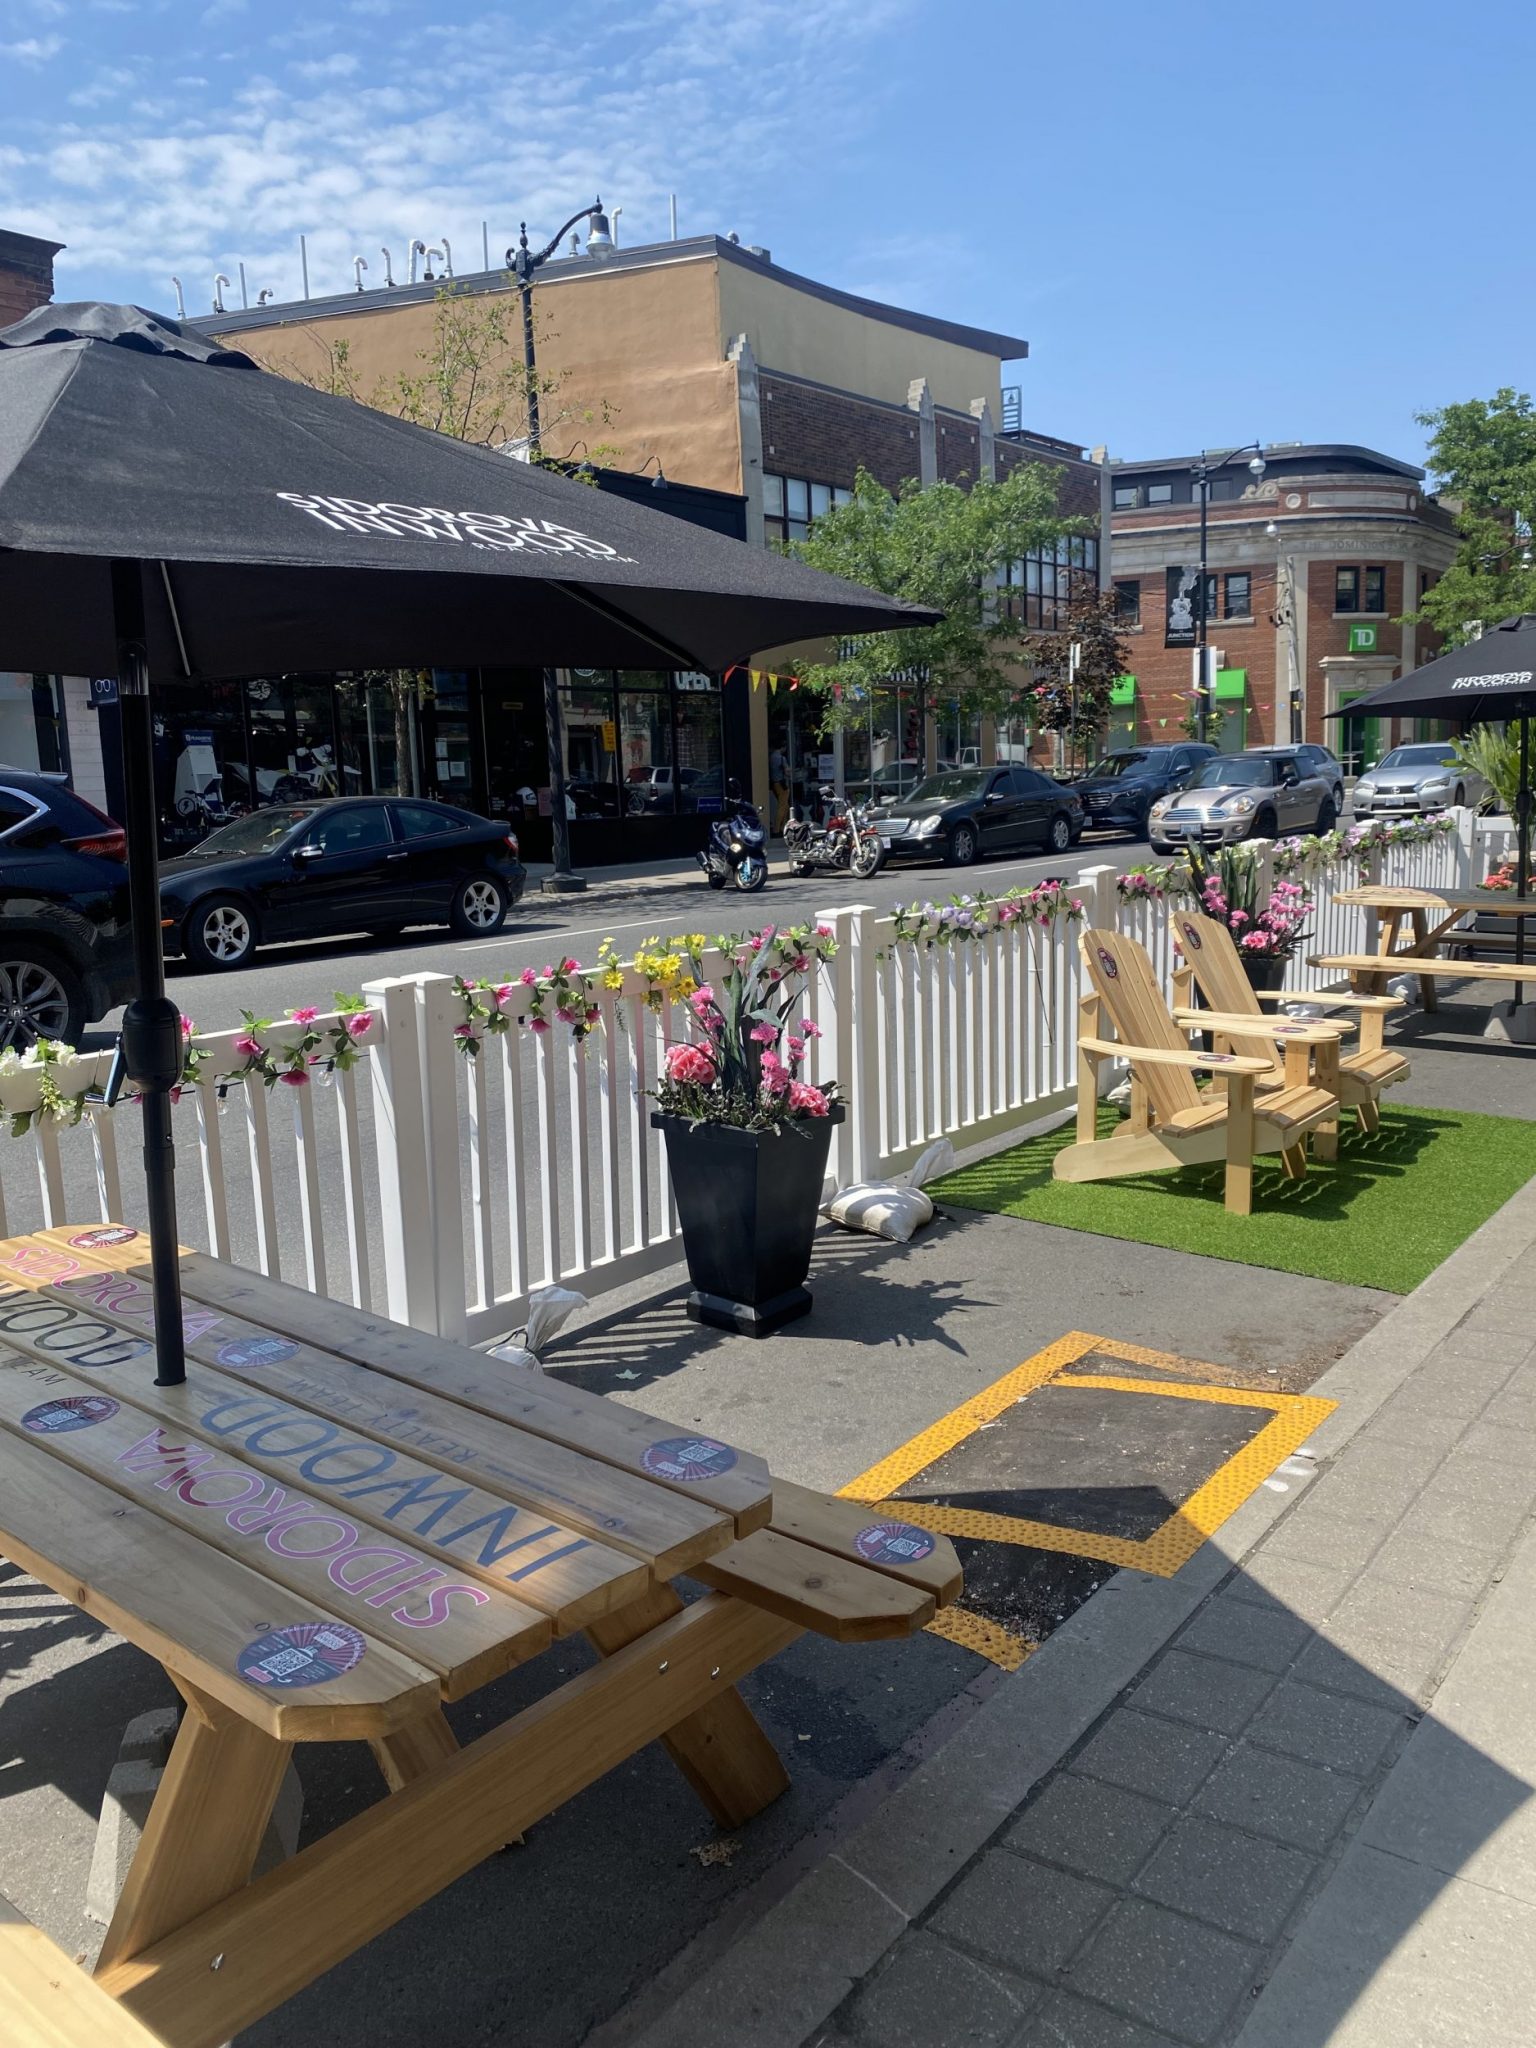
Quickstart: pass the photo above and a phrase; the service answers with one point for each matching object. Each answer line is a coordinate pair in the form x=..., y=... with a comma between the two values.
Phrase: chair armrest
x=1311, y=1031
x=1331, y=999
x=1162, y=1056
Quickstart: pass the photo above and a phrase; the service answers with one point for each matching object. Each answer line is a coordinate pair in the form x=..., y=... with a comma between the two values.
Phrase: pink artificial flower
x=539, y=1024
x=306, y=1016
x=775, y=1074
x=810, y=1029
x=1255, y=942
x=690, y=1063
x=593, y=1013
x=796, y=1046
x=249, y=1048
x=360, y=1024
x=565, y=1013
x=294, y=1078
x=503, y=993
x=187, y=1027
x=823, y=931
x=463, y=1030
x=528, y=977
x=1237, y=917
x=569, y=967
x=804, y=1100
x=175, y=1095
x=765, y=1034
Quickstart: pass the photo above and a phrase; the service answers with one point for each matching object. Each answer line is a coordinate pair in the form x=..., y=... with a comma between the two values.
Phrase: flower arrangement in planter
x=1267, y=932
x=1501, y=880
x=747, y=1135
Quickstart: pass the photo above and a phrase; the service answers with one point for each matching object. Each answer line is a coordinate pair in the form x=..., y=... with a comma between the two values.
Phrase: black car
x=343, y=864
x=967, y=813
x=1119, y=791
x=65, y=947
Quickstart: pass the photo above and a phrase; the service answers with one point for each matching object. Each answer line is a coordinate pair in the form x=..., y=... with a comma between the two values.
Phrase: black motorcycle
x=847, y=842
x=734, y=848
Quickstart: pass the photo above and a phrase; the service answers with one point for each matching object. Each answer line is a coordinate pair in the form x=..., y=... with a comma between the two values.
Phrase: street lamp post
x=523, y=262
x=1284, y=616
x=1203, y=471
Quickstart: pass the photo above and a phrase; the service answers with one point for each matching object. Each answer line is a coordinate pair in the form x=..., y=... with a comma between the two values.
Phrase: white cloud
x=430, y=129
x=33, y=49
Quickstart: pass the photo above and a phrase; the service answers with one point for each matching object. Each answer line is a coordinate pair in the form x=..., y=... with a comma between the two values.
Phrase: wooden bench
x=335, y=1525
x=46, y=2001
x=1366, y=967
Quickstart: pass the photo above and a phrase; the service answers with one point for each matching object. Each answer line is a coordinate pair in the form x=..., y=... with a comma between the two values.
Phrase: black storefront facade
x=647, y=752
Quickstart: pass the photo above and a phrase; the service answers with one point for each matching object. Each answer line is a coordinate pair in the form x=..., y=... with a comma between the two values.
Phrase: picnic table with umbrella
x=1492, y=677
x=331, y=1524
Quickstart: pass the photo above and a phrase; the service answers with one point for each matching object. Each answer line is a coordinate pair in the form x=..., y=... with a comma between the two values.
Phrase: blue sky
x=1301, y=222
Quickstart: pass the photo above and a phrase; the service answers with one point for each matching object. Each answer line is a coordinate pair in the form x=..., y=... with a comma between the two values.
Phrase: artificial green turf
x=1384, y=1214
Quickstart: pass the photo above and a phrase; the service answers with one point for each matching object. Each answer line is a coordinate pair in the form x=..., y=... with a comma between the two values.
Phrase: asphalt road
x=284, y=977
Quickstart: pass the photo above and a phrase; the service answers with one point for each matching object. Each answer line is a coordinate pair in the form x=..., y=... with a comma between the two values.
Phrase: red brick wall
x=828, y=435
x=26, y=275
x=1163, y=674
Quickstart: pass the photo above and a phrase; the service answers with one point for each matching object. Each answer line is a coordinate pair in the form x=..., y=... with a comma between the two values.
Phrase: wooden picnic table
x=1397, y=906
x=336, y=1525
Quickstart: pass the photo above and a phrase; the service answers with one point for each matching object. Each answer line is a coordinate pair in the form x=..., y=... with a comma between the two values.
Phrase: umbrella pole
x=150, y=1049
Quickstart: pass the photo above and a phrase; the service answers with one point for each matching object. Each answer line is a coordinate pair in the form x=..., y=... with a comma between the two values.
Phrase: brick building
x=26, y=274
x=1310, y=570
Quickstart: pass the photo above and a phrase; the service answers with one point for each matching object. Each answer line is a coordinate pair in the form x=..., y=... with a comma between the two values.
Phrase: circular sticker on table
x=73, y=1411
x=688, y=1457
x=107, y=1233
x=893, y=1543
x=307, y=1653
x=255, y=1351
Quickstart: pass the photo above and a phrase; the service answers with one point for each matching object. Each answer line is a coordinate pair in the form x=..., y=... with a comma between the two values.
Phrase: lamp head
x=1271, y=531
x=599, y=233
x=1257, y=467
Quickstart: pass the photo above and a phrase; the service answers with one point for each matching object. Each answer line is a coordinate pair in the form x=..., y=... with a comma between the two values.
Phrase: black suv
x=66, y=953
x=1118, y=791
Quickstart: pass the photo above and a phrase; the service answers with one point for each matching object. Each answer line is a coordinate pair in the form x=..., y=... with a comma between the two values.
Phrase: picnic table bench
x=336, y=1525
x=1398, y=906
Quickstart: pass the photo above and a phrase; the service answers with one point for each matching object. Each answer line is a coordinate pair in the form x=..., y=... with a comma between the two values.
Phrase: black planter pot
x=747, y=1203
x=1265, y=971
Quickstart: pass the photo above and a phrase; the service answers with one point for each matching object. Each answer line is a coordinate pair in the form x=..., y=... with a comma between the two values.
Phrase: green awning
x=1231, y=682
x=1122, y=691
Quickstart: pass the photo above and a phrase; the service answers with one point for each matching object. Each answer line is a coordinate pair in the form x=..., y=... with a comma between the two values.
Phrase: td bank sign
x=1362, y=639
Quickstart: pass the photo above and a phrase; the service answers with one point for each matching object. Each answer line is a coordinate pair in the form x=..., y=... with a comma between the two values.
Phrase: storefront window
x=31, y=723
x=700, y=746
x=202, y=771
x=376, y=719
x=649, y=773
x=449, y=754
x=293, y=740
x=589, y=741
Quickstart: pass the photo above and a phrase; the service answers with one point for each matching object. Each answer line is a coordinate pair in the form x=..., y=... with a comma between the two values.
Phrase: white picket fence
x=442, y=1190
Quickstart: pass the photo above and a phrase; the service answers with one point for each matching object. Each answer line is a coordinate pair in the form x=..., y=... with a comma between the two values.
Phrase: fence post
x=854, y=1043
x=1466, y=876
x=416, y=1137
x=1095, y=890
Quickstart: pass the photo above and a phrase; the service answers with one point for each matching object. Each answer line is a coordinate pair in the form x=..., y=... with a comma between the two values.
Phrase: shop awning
x=1231, y=683
x=1122, y=692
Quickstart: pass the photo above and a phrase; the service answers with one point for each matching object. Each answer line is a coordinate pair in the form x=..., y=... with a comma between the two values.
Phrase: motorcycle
x=847, y=842
x=734, y=848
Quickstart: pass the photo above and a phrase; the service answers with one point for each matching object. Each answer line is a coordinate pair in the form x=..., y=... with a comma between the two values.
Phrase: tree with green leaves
x=1075, y=702
x=1483, y=451
x=947, y=549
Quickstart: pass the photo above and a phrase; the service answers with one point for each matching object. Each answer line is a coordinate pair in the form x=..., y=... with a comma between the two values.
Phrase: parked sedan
x=1120, y=790
x=66, y=954
x=966, y=813
x=1423, y=777
x=1243, y=796
x=324, y=868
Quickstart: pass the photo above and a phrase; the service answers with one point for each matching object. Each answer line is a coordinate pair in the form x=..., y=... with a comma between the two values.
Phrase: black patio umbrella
x=1492, y=677
x=170, y=511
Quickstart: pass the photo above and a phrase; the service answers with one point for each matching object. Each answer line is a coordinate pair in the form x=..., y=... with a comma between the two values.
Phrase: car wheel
x=1059, y=837
x=1460, y=797
x=479, y=907
x=39, y=998
x=1264, y=826
x=220, y=933
x=1338, y=799
x=1327, y=817
x=961, y=850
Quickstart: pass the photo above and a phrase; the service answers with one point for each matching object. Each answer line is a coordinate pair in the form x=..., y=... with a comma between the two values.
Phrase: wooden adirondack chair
x=1171, y=1123
x=1212, y=964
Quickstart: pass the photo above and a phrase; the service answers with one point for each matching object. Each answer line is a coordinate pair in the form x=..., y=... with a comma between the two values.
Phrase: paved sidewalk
x=1282, y=1800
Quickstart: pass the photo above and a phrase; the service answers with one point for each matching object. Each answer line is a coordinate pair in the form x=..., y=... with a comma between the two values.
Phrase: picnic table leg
x=1325, y=1074
x=1427, y=990
x=410, y=1752
x=204, y=1827
x=1240, y=1136
x=721, y=1750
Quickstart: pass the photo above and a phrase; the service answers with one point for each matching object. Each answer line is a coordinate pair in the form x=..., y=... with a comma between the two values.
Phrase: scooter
x=733, y=850
x=847, y=842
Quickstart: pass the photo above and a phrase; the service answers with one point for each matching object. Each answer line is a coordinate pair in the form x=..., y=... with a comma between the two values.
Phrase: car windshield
x=1417, y=757
x=258, y=833
x=1122, y=764
x=1230, y=771
x=956, y=787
